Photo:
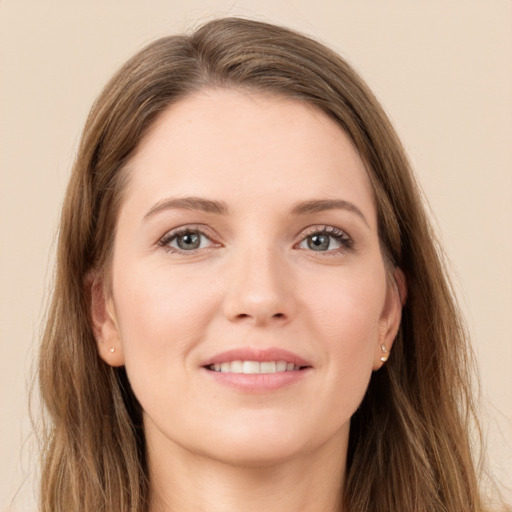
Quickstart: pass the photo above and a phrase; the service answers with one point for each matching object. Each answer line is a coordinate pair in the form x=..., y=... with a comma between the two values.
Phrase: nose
x=260, y=289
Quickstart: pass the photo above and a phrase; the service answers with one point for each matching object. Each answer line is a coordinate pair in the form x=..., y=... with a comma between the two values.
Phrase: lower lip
x=258, y=382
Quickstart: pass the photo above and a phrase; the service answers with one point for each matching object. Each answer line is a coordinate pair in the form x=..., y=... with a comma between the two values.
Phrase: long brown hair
x=409, y=447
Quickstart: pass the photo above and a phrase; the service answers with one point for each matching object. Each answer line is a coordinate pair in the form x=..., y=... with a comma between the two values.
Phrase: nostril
x=260, y=317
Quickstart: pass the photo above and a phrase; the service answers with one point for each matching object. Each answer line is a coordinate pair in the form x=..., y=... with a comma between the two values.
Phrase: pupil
x=318, y=242
x=189, y=241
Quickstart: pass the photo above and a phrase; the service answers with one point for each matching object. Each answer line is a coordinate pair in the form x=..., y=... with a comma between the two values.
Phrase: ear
x=104, y=322
x=391, y=316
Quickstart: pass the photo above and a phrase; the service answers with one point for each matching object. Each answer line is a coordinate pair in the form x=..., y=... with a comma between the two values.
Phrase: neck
x=183, y=482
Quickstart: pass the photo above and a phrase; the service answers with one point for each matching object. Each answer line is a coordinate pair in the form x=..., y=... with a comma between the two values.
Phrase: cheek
x=344, y=315
x=161, y=314
x=350, y=301
x=162, y=317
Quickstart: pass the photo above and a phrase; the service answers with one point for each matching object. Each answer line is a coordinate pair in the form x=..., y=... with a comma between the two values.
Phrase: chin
x=259, y=444
x=255, y=454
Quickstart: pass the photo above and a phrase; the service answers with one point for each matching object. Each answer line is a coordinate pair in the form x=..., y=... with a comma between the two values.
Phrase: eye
x=186, y=240
x=326, y=239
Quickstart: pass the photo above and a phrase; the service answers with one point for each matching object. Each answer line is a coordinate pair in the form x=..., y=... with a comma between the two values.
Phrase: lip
x=260, y=355
x=257, y=383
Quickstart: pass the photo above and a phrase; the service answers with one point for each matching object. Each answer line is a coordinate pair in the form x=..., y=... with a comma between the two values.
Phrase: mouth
x=249, y=367
x=257, y=370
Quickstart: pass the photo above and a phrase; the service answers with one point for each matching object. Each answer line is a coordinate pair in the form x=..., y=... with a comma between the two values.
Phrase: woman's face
x=247, y=243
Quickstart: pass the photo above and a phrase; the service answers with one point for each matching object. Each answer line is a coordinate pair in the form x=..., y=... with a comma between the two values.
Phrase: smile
x=257, y=370
x=254, y=367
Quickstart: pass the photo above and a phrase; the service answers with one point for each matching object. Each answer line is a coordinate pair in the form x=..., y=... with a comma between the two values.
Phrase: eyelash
x=345, y=241
x=175, y=233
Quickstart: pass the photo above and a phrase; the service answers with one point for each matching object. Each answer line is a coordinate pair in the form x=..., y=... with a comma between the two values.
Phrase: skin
x=254, y=282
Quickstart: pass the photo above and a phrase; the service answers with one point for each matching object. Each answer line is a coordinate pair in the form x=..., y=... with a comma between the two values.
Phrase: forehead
x=253, y=144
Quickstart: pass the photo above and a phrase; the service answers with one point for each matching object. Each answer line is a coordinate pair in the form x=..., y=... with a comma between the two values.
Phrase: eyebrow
x=321, y=205
x=188, y=203
x=219, y=207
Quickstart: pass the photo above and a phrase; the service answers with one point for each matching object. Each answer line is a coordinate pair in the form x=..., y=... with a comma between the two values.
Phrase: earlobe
x=389, y=322
x=104, y=322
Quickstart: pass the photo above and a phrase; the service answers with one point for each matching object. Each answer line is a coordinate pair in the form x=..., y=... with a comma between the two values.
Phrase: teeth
x=268, y=367
x=235, y=366
x=253, y=367
x=281, y=366
x=250, y=367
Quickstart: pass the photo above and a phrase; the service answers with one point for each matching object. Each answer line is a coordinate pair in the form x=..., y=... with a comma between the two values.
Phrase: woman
x=242, y=248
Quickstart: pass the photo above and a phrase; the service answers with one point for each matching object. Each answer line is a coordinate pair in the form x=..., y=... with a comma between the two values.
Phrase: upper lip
x=260, y=355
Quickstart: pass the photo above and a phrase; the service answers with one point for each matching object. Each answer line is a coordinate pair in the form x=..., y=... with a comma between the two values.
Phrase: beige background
x=442, y=69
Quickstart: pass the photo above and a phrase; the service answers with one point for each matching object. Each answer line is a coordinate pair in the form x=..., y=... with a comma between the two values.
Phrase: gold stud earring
x=385, y=356
x=112, y=349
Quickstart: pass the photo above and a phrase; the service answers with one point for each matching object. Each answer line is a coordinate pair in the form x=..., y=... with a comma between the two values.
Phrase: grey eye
x=186, y=241
x=326, y=240
x=319, y=242
x=189, y=241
